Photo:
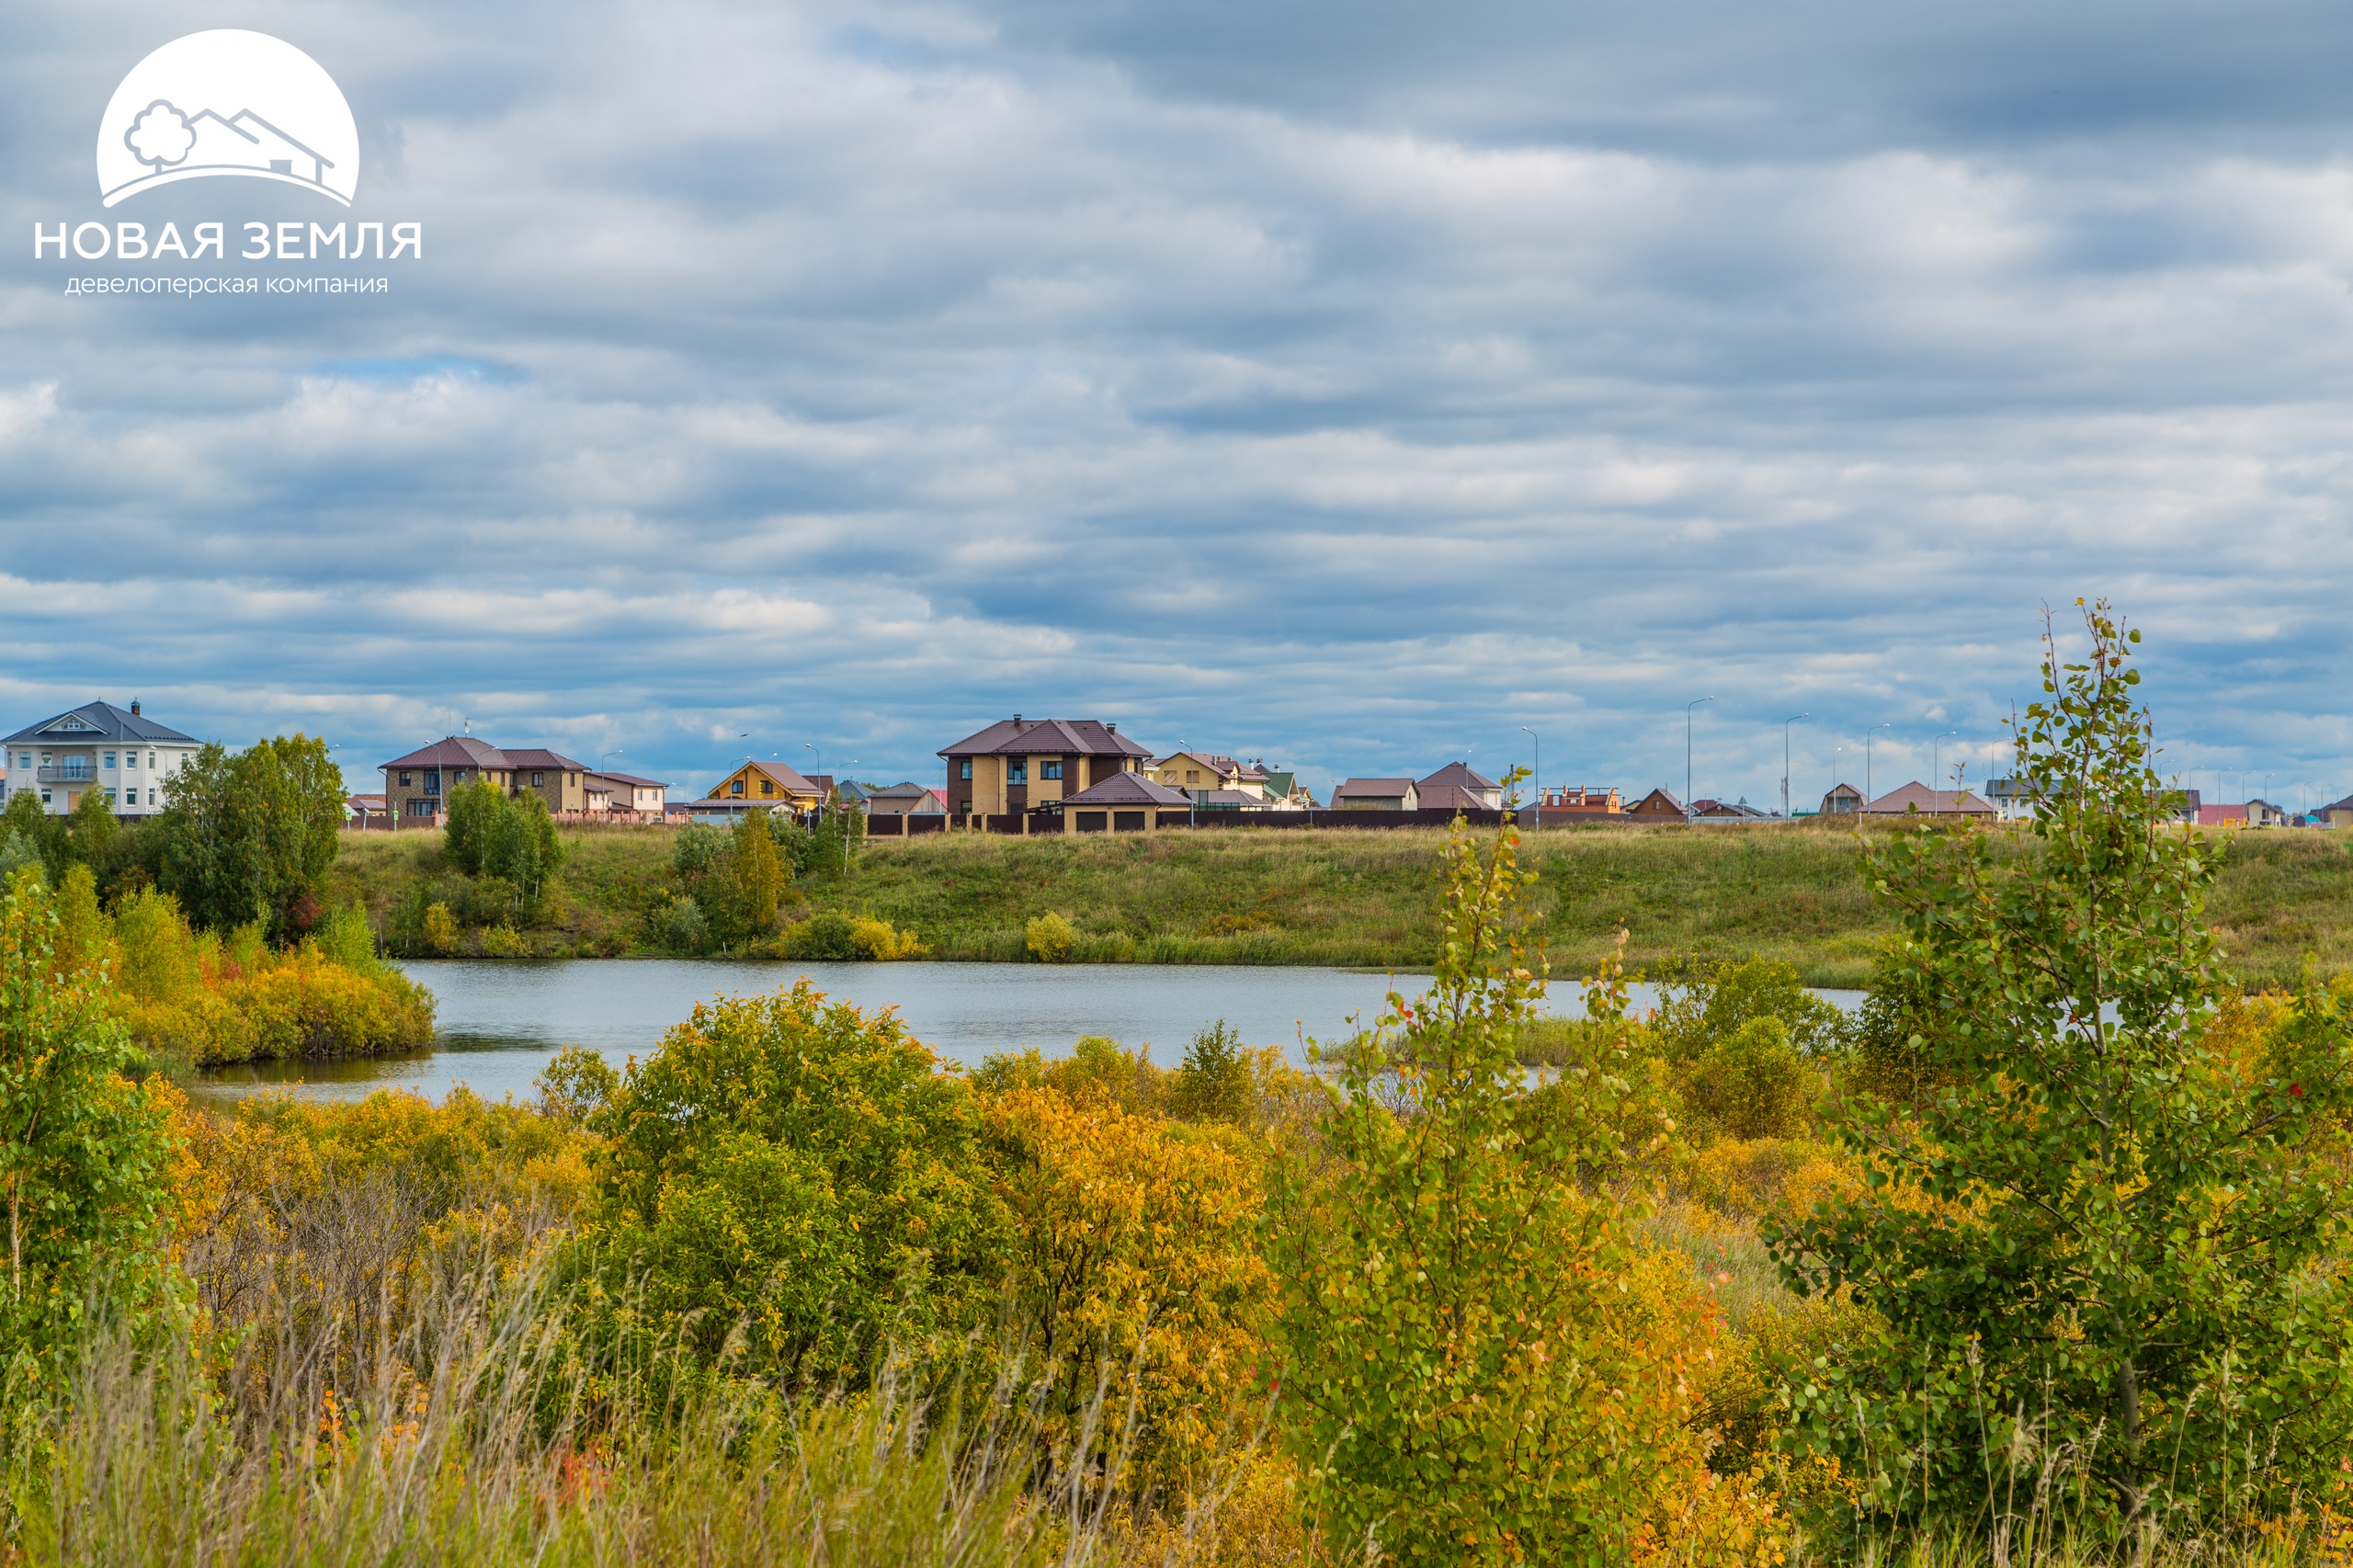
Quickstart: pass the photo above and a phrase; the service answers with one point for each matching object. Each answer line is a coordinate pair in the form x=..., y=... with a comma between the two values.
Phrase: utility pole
x=1686, y=755
x=1540, y=772
x=1785, y=763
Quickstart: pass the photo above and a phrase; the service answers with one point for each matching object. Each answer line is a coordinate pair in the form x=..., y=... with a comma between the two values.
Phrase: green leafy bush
x=2108, y=1240
x=828, y=936
x=84, y=1154
x=1215, y=1083
x=796, y=1172
x=1473, y=1367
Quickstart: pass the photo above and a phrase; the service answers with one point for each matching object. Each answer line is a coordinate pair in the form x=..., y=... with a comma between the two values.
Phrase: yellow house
x=1206, y=770
x=768, y=783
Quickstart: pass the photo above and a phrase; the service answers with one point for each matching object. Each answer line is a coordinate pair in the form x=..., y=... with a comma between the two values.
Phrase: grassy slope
x=1341, y=897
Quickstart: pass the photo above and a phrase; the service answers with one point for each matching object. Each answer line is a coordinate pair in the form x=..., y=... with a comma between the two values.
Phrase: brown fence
x=893, y=824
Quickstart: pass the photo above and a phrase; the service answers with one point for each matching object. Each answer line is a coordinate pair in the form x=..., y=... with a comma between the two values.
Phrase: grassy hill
x=1335, y=896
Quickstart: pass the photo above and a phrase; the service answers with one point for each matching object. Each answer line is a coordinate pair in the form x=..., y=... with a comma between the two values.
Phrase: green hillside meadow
x=1362, y=898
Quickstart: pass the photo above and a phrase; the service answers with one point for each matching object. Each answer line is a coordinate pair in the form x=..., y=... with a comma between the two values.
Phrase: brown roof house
x=1376, y=795
x=627, y=792
x=1659, y=806
x=416, y=786
x=1917, y=797
x=1017, y=765
x=1456, y=787
x=1843, y=801
x=1122, y=803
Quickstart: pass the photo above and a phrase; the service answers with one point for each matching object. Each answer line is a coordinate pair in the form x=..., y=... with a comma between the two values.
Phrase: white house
x=97, y=746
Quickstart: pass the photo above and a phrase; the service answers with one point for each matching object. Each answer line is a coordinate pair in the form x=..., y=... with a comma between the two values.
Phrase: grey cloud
x=856, y=373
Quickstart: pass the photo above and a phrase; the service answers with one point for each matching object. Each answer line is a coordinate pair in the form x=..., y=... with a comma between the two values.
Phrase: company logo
x=228, y=102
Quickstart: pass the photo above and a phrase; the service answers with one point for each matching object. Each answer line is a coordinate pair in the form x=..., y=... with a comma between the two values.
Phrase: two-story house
x=1456, y=787
x=772, y=784
x=97, y=746
x=416, y=786
x=1193, y=771
x=1014, y=764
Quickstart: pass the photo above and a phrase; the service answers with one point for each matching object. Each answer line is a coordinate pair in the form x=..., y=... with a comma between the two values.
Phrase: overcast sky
x=1344, y=384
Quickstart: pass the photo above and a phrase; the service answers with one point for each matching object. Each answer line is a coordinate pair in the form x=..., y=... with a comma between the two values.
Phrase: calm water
x=501, y=1020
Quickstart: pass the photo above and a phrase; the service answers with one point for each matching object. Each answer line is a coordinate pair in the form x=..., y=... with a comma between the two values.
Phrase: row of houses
x=1049, y=774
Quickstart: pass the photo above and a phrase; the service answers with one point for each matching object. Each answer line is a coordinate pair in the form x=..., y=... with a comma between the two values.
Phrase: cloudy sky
x=1348, y=384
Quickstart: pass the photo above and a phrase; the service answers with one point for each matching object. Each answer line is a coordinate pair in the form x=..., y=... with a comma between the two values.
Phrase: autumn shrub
x=876, y=939
x=1749, y=1083
x=295, y=1005
x=1049, y=938
x=440, y=928
x=1133, y=1259
x=1478, y=1362
x=158, y=950
x=503, y=941
x=796, y=1174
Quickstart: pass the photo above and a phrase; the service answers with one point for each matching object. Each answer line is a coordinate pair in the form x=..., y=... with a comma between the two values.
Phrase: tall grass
x=377, y=1385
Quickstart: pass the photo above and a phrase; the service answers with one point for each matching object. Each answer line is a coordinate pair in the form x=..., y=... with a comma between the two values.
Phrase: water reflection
x=501, y=1020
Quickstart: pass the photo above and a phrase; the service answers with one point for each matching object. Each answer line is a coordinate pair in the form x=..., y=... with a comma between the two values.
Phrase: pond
x=501, y=1020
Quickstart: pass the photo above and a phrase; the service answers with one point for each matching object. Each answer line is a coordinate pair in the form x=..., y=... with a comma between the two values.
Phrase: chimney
x=1110, y=729
x=1016, y=718
x=134, y=707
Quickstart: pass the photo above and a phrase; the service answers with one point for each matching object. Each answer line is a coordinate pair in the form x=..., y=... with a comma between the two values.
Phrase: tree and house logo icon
x=228, y=102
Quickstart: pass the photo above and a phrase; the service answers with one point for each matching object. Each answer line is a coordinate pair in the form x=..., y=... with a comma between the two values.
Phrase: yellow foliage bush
x=1136, y=1251
x=440, y=928
x=503, y=941
x=876, y=939
x=1050, y=939
x=296, y=1005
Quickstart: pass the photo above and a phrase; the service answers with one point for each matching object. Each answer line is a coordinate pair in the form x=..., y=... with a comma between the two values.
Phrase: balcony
x=67, y=773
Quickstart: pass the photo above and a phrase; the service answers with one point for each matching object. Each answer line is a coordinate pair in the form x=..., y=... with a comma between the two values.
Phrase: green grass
x=1358, y=897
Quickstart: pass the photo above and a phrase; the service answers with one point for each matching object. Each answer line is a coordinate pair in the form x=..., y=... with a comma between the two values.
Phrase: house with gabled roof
x=97, y=746
x=417, y=787
x=1456, y=787
x=1843, y=800
x=1016, y=765
x=771, y=784
x=1122, y=803
x=1376, y=795
x=1917, y=797
x=1659, y=806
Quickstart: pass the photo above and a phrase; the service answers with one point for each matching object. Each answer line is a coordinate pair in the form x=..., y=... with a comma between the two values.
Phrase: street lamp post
x=1868, y=796
x=1540, y=772
x=1936, y=768
x=1686, y=754
x=1785, y=763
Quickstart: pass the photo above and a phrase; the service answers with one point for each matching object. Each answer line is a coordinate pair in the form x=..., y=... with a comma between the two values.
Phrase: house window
x=539, y=780
x=404, y=781
x=25, y=759
x=432, y=780
x=130, y=797
x=109, y=795
x=109, y=762
x=1050, y=769
x=768, y=786
x=1017, y=772
x=736, y=786
x=963, y=769
x=44, y=797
